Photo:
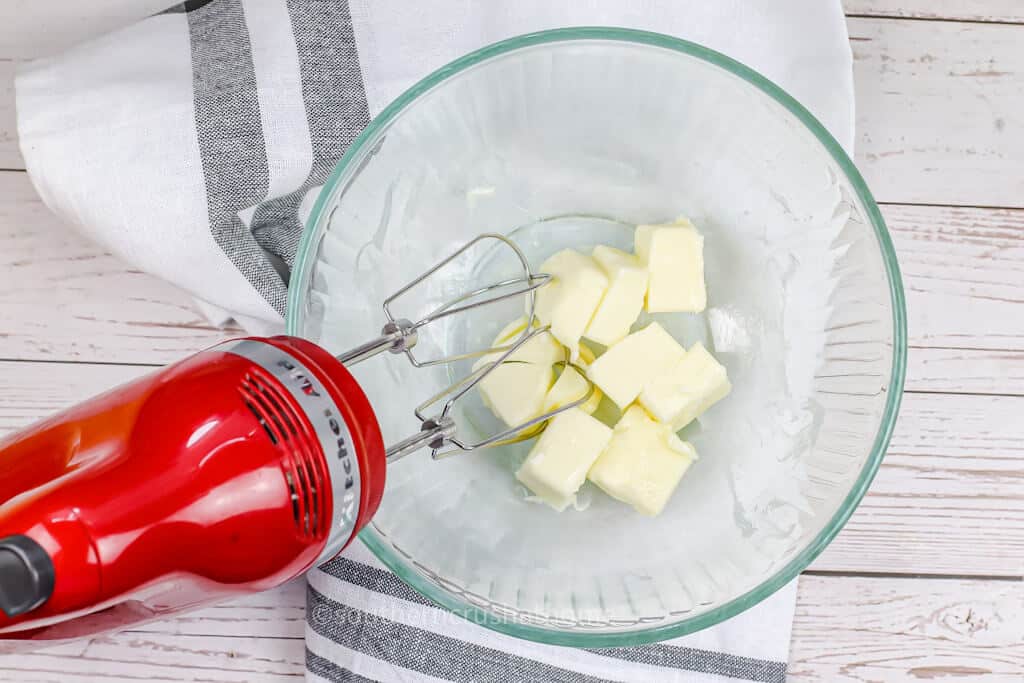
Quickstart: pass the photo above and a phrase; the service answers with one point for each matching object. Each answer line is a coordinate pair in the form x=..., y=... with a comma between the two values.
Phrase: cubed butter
x=624, y=298
x=511, y=331
x=643, y=463
x=625, y=368
x=684, y=391
x=569, y=301
x=558, y=463
x=586, y=356
x=515, y=391
x=571, y=386
x=542, y=349
x=674, y=256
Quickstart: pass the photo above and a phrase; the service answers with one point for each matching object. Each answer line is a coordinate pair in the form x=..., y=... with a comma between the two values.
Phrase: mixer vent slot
x=262, y=420
x=302, y=468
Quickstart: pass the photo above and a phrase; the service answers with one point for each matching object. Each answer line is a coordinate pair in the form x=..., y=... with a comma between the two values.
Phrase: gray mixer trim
x=658, y=655
x=331, y=431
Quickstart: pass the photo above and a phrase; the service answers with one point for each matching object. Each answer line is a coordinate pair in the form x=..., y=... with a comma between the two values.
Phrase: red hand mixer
x=229, y=472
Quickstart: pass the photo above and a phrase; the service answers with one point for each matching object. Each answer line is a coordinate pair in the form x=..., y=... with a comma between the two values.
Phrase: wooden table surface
x=924, y=583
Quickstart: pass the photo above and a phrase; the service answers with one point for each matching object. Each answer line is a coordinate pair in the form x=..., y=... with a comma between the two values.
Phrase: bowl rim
x=350, y=162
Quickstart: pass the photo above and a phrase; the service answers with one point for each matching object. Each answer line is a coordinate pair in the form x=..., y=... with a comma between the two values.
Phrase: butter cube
x=624, y=298
x=571, y=386
x=643, y=463
x=586, y=356
x=624, y=369
x=515, y=392
x=558, y=463
x=684, y=391
x=511, y=331
x=674, y=256
x=542, y=349
x=569, y=301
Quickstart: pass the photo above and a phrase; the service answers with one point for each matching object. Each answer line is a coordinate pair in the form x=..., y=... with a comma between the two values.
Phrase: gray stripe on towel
x=428, y=652
x=336, y=112
x=183, y=7
x=704, y=661
x=325, y=668
x=231, y=143
x=658, y=654
x=371, y=578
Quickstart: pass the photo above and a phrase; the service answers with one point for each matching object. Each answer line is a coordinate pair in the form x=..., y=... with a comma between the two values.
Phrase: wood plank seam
x=844, y=574
x=933, y=205
x=71, y=361
x=946, y=20
x=962, y=393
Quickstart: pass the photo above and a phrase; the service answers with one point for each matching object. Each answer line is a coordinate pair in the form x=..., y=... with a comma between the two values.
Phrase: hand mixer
x=229, y=472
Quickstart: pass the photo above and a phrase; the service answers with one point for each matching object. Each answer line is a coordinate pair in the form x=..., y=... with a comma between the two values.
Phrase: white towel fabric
x=192, y=145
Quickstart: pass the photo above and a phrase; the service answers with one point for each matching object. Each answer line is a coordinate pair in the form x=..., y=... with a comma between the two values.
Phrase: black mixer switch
x=26, y=575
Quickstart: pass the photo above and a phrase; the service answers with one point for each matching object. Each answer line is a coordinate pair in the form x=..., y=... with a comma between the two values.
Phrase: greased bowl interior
x=570, y=138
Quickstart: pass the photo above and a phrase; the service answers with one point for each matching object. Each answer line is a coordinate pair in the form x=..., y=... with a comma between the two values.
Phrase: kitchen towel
x=192, y=145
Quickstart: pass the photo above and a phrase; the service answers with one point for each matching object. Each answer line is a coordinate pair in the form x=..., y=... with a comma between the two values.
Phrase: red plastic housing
x=199, y=482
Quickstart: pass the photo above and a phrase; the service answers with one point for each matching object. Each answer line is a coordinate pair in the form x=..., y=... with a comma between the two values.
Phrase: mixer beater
x=439, y=431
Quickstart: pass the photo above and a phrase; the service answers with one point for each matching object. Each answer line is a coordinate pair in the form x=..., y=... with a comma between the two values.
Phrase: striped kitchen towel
x=363, y=623
x=193, y=143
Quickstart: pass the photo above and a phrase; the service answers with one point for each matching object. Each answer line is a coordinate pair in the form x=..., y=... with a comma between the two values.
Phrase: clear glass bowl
x=569, y=138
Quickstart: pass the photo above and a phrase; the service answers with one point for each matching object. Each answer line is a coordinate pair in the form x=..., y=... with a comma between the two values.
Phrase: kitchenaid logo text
x=341, y=452
x=298, y=377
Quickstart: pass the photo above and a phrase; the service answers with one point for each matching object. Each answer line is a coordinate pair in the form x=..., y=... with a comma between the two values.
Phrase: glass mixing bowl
x=569, y=138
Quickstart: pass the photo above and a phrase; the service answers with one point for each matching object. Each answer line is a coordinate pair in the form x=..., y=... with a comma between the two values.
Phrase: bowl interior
x=570, y=139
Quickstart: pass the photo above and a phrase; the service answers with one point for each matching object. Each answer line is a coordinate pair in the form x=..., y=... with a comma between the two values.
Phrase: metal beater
x=438, y=430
